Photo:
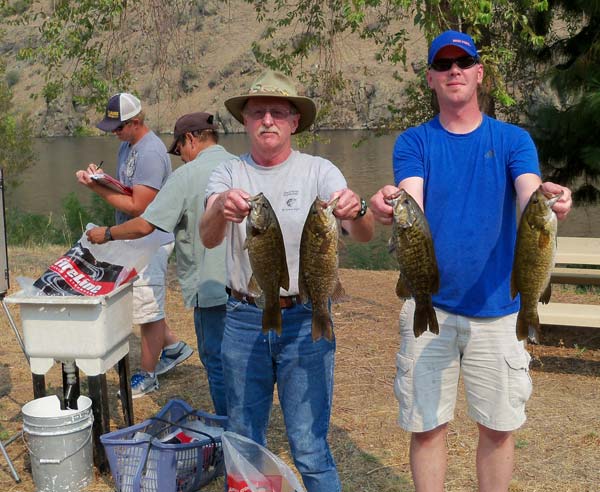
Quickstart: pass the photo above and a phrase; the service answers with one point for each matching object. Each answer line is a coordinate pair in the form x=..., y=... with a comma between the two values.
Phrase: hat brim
x=172, y=147
x=306, y=107
x=109, y=124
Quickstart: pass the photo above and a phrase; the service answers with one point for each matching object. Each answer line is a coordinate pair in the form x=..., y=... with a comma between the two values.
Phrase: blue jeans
x=254, y=362
x=209, y=324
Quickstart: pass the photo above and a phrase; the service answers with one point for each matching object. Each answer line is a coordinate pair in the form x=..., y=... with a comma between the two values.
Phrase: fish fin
x=543, y=240
x=271, y=319
x=432, y=320
x=391, y=245
x=338, y=294
x=436, y=282
x=513, y=285
x=321, y=323
x=420, y=320
x=401, y=290
x=526, y=325
x=545, y=297
x=284, y=276
x=302, y=290
x=260, y=301
x=533, y=336
x=253, y=288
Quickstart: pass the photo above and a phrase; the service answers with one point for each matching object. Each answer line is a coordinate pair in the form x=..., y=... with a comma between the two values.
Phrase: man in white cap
x=469, y=172
x=254, y=362
x=177, y=208
x=144, y=166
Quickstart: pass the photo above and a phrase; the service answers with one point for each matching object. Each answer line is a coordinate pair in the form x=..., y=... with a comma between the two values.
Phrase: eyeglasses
x=276, y=114
x=179, y=145
x=122, y=125
x=445, y=64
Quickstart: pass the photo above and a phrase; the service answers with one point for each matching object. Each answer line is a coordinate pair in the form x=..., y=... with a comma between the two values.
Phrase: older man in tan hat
x=254, y=362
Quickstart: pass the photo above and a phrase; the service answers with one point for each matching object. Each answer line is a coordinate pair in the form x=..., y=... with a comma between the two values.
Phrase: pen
x=99, y=166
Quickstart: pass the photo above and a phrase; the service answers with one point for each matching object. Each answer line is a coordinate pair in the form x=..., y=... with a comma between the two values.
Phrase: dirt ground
x=558, y=449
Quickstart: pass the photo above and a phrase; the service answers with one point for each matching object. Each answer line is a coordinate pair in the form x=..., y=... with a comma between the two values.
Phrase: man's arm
x=133, y=205
x=527, y=183
x=132, y=229
x=228, y=206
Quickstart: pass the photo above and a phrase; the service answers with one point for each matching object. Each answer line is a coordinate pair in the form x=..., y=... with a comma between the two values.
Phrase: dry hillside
x=196, y=65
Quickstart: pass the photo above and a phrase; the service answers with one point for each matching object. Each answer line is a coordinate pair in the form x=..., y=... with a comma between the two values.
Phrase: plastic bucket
x=59, y=443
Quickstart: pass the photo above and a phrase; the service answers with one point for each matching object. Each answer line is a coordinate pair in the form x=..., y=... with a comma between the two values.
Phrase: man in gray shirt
x=143, y=165
x=177, y=208
x=253, y=361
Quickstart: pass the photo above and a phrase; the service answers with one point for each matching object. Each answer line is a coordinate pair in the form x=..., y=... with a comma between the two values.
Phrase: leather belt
x=285, y=302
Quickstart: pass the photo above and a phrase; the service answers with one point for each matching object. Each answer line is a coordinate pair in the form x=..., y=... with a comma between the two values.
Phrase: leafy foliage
x=16, y=133
x=27, y=229
x=566, y=127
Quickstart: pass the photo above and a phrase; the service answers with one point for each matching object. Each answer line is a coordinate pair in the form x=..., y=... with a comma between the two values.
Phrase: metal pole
x=14, y=327
x=10, y=465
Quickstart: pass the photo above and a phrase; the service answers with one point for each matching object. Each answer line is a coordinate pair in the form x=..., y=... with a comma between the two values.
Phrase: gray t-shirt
x=145, y=163
x=178, y=207
x=291, y=187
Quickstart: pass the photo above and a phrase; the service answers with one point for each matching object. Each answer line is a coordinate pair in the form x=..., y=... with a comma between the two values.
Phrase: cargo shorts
x=494, y=366
x=149, y=290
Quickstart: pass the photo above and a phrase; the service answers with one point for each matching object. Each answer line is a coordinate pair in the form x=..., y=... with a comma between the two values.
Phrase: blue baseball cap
x=452, y=38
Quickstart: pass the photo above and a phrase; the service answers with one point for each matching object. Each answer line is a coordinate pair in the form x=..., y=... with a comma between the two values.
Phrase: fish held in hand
x=535, y=252
x=266, y=251
x=318, y=274
x=419, y=276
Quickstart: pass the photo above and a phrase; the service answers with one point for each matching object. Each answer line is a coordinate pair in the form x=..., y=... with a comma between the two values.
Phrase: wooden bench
x=576, y=258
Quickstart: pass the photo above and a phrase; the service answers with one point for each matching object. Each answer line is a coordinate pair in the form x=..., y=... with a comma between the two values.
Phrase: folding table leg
x=39, y=385
x=125, y=390
x=99, y=395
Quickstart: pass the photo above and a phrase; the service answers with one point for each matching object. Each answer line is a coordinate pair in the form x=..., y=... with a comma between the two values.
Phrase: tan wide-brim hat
x=275, y=84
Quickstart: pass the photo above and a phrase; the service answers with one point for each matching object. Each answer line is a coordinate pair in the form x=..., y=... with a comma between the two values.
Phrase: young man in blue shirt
x=468, y=172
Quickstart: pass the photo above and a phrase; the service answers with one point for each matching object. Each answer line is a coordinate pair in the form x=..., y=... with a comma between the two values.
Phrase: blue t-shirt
x=470, y=203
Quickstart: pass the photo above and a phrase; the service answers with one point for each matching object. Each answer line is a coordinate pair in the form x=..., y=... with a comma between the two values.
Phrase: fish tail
x=271, y=319
x=420, y=320
x=527, y=323
x=321, y=324
x=432, y=319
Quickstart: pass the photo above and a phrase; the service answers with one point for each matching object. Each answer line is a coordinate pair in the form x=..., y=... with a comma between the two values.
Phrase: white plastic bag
x=97, y=269
x=251, y=467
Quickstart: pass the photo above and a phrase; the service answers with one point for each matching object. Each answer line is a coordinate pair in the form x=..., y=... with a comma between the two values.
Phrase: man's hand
x=83, y=176
x=348, y=205
x=96, y=235
x=383, y=211
x=233, y=204
x=563, y=206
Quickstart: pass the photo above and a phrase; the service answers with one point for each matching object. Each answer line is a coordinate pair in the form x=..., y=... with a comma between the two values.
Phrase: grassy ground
x=558, y=449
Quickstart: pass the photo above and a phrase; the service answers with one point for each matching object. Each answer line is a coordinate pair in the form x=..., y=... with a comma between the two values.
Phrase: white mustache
x=271, y=129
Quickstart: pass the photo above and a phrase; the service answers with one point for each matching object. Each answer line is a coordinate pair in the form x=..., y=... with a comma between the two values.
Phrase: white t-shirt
x=291, y=187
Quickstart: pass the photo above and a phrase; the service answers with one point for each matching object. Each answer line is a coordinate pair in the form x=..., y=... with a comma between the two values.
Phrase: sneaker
x=169, y=358
x=142, y=383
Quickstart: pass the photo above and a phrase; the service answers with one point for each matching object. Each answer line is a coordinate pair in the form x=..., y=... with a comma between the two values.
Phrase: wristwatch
x=107, y=234
x=363, y=209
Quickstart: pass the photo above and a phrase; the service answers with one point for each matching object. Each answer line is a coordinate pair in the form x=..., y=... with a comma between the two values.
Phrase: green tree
x=16, y=137
x=566, y=126
x=317, y=30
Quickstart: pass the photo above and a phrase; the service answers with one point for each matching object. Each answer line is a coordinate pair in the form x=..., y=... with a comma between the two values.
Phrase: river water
x=366, y=167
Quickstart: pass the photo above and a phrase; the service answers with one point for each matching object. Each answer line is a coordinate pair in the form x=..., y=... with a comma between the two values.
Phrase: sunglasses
x=122, y=125
x=445, y=64
x=179, y=145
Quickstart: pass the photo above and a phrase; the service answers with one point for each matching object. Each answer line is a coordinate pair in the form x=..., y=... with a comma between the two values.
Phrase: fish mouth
x=551, y=198
x=389, y=199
